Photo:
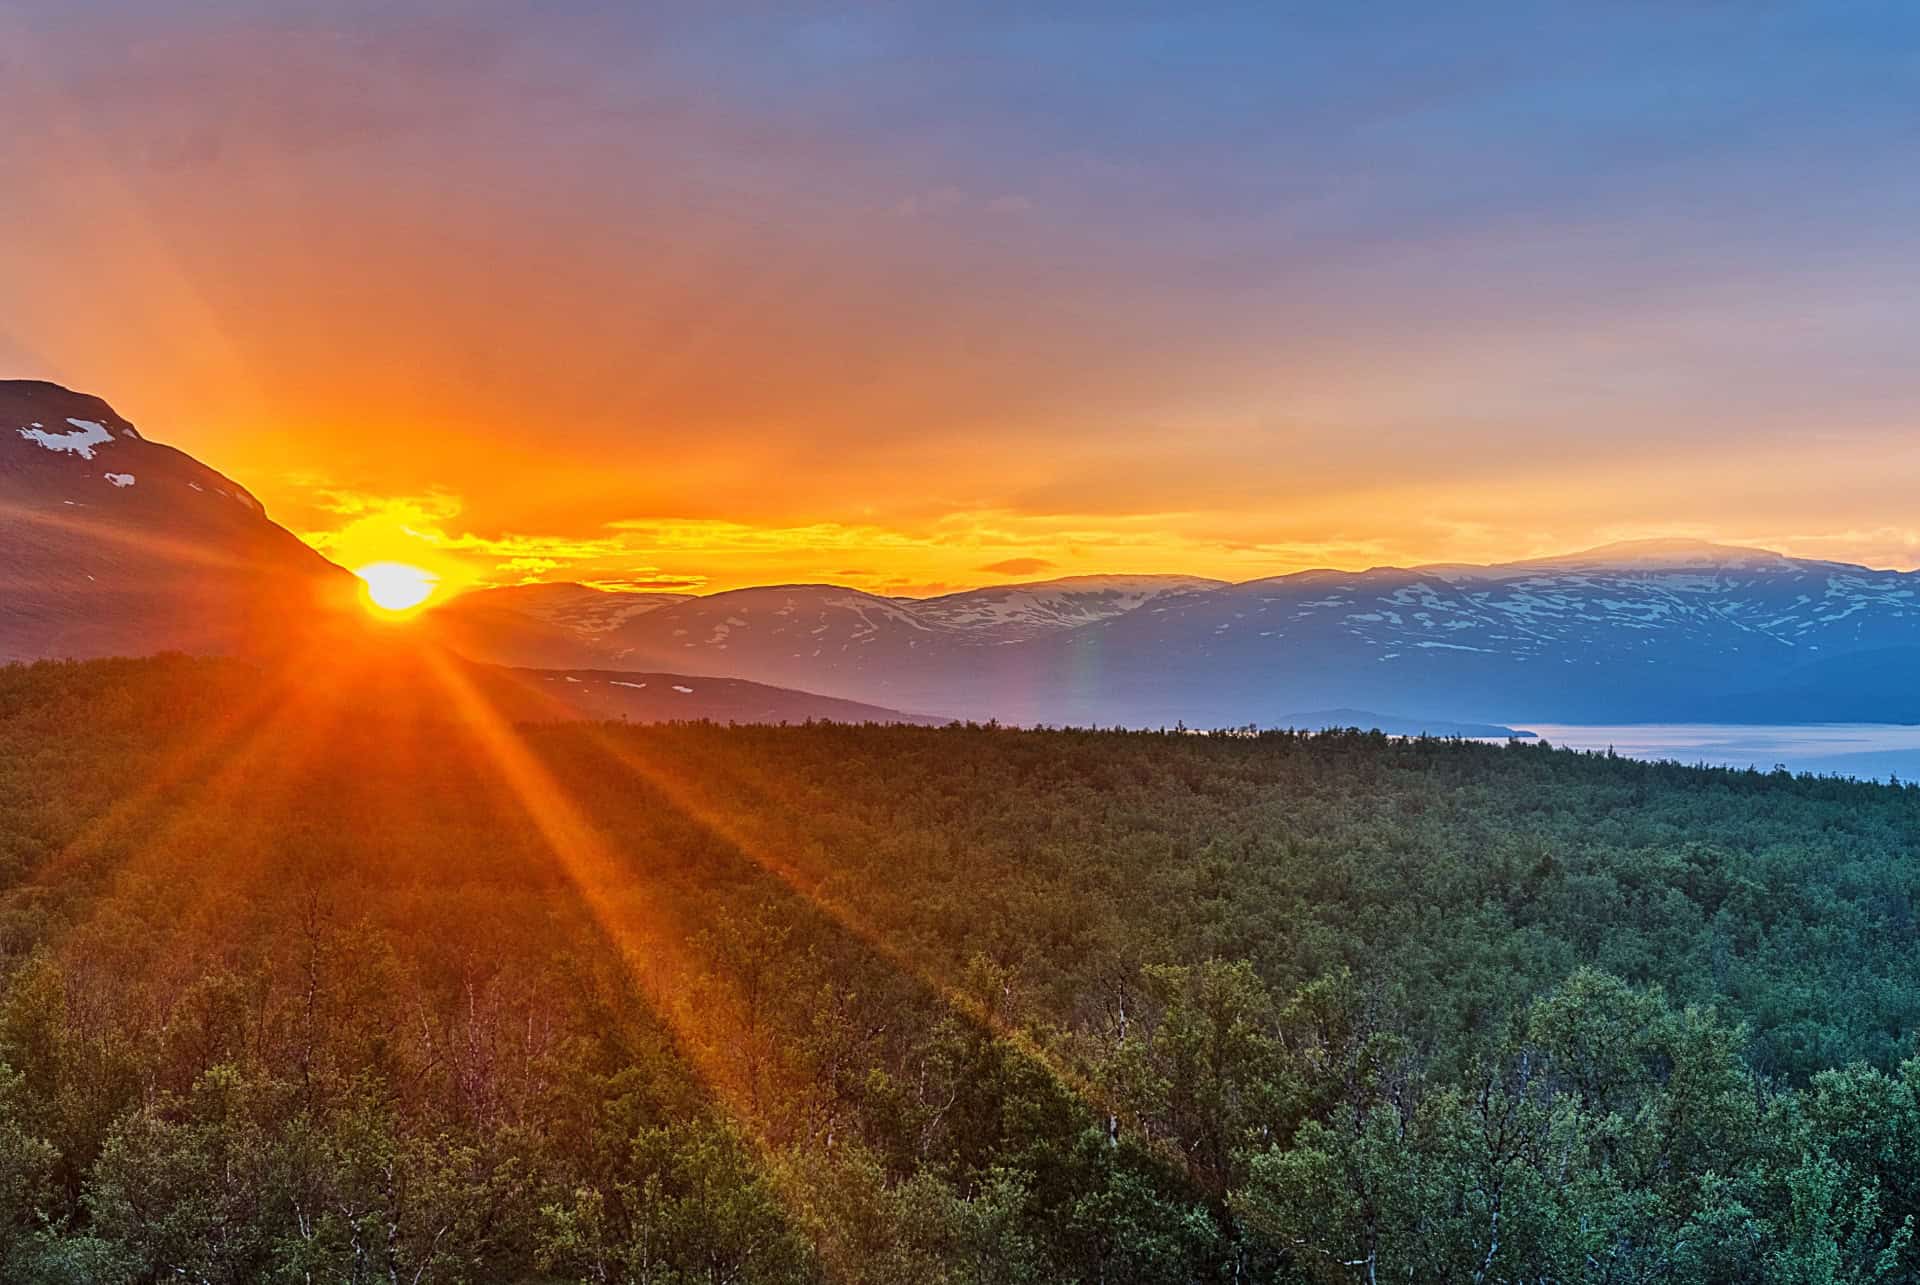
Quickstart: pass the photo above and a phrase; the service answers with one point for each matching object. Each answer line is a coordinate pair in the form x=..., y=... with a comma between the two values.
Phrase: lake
x=1871, y=751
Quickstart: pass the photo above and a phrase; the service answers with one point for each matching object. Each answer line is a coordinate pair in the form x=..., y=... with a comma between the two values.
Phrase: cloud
x=421, y=529
x=435, y=506
x=517, y=545
x=425, y=518
x=719, y=536
x=646, y=581
x=1018, y=566
x=1883, y=546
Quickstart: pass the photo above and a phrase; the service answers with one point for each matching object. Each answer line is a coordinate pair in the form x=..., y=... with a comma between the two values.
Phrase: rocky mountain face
x=111, y=544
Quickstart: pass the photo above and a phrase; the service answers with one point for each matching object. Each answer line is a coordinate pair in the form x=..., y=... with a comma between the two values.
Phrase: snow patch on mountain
x=1009, y=613
x=87, y=434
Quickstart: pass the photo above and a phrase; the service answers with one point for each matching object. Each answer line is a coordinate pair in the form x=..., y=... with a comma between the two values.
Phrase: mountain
x=1642, y=631
x=1657, y=631
x=579, y=610
x=844, y=642
x=934, y=653
x=393, y=671
x=550, y=626
x=115, y=545
x=111, y=544
x=783, y=628
x=1873, y=686
x=646, y=697
x=1015, y=613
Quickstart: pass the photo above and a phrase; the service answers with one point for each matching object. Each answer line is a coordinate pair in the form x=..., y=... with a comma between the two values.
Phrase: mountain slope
x=1652, y=632
x=1662, y=630
x=841, y=642
x=118, y=545
x=646, y=697
x=542, y=626
x=1873, y=686
x=922, y=654
x=1014, y=613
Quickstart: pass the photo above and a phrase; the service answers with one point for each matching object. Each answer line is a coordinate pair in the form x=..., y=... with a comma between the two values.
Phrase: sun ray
x=809, y=887
x=235, y=735
x=263, y=756
x=654, y=945
x=202, y=554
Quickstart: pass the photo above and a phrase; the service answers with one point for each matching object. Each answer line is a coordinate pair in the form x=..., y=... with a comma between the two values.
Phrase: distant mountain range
x=113, y=544
x=1643, y=631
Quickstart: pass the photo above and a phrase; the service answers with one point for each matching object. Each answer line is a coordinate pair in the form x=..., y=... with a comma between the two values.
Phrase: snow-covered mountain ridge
x=1647, y=630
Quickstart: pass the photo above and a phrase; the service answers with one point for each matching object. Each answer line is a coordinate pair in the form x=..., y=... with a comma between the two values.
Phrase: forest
x=350, y=977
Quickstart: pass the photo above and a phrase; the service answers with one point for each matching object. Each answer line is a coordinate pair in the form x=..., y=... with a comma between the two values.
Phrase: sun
x=397, y=587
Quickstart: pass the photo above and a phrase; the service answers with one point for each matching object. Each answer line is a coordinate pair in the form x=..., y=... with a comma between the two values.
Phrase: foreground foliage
x=344, y=981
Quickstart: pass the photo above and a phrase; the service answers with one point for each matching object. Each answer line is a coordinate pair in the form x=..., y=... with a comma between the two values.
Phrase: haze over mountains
x=114, y=544
x=1645, y=631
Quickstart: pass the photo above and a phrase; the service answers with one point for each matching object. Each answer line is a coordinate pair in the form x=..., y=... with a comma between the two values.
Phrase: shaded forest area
x=345, y=977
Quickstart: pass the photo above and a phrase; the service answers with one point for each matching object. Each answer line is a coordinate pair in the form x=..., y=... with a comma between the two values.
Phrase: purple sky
x=909, y=291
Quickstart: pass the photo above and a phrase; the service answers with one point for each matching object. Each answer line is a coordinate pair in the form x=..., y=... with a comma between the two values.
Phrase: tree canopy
x=301, y=986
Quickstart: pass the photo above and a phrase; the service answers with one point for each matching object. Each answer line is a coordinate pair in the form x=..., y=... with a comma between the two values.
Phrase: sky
x=921, y=296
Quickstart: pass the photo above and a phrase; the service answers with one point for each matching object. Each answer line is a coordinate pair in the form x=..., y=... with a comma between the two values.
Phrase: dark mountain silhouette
x=111, y=544
x=115, y=545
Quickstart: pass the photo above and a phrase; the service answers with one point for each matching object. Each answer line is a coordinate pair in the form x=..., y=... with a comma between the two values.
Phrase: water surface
x=1872, y=751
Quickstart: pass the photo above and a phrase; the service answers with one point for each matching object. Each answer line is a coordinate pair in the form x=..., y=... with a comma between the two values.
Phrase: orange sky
x=917, y=305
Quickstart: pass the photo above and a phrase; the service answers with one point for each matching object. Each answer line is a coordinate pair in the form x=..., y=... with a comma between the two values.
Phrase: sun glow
x=396, y=587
